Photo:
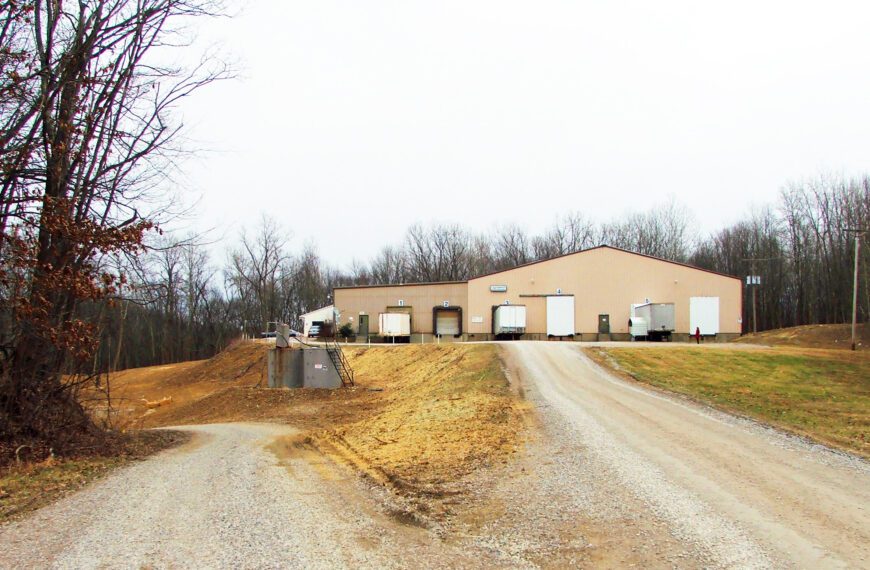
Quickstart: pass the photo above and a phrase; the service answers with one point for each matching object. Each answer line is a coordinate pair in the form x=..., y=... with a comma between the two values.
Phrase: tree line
x=183, y=305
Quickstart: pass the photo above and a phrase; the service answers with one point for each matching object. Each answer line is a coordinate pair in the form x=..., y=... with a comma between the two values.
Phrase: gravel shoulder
x=733, y=492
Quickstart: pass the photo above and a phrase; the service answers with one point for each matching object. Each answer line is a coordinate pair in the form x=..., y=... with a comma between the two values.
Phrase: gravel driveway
x=222, y=501
x=613, y=475
x=733, y=492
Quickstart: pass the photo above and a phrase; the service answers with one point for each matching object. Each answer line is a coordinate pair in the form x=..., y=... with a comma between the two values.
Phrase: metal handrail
x=346, y=371
x=342, y=366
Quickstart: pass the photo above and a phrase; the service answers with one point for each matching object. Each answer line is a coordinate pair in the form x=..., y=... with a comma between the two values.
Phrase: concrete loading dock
x=587, y=295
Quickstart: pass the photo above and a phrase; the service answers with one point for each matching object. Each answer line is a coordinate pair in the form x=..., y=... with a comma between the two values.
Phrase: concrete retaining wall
x=302, y=368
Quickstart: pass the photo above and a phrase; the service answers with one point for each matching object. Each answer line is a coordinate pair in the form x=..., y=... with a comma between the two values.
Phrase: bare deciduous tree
x=87, y=138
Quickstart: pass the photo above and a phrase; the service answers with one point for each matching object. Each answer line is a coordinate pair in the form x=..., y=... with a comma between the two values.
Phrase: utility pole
x=858, y=232
x=754, y=305
x=754, y=280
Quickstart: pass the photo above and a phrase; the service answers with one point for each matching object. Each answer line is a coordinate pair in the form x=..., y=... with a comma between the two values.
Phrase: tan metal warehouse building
x=591, y=292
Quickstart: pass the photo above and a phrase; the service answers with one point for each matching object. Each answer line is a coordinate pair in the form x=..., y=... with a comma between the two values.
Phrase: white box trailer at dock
x=394, y=324
x=637, y=327
x=659, y=319
x=509, y=320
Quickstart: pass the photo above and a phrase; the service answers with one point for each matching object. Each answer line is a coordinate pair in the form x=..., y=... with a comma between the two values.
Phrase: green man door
x=604, y=324
x=363, y=326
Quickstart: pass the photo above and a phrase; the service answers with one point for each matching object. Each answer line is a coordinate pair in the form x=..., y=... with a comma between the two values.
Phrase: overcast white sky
x=353, y=119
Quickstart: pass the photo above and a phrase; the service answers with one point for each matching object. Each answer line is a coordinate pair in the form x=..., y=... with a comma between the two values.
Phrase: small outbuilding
x=321, y=316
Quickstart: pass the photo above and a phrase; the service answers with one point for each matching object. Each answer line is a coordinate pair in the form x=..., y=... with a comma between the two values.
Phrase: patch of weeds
x=29, y=485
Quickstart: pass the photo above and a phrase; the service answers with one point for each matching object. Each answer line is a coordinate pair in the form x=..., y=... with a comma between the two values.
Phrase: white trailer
x=659, y=319
x=394, y=324
x=509, y=320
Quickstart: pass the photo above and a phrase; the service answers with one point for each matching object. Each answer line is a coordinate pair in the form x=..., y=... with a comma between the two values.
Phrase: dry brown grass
x=30, y=485
x=445, y=411
x=420, y=419
x=812, y=336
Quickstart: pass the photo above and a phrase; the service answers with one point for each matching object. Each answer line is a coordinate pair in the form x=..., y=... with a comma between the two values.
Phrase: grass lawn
x=824, y=394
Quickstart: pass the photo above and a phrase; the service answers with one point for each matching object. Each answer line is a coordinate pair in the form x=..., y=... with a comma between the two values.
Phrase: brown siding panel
x=606, y=280
x=420, y=298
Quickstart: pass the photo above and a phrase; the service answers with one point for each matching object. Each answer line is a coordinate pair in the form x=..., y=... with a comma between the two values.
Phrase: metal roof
x=401, y=284
x=605, y=246
x=582, y=251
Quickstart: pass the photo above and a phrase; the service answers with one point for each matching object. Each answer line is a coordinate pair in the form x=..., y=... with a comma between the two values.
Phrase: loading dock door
x=704, y=314
x=560, y=315
x=448, y=322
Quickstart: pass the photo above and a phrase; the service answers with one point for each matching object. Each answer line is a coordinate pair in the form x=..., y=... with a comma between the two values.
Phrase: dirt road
x=742, y=495
x=222, y=501
x=612, y=475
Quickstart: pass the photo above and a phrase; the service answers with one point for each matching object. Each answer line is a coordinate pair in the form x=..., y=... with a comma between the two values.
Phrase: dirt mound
x=446, y=411
x=241, y=365
x=420, y=418
x=812, y=336
x=304, y=408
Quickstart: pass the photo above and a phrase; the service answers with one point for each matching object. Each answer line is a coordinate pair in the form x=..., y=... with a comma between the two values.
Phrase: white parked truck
x=394, y=324
x=659, y=319
x=509, y=320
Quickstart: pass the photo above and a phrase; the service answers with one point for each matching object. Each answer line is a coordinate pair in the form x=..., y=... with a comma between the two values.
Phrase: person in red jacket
x=698, y=335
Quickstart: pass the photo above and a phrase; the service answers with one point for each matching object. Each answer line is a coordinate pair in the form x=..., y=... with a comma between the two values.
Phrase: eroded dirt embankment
x=444, y=413
x=419, y=421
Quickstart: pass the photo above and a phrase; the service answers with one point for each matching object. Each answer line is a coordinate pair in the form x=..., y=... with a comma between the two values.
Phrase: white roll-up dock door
x=704, y=315
x=560, y=315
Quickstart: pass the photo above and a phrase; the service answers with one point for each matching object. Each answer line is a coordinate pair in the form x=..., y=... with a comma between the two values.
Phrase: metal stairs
x=339, y=360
